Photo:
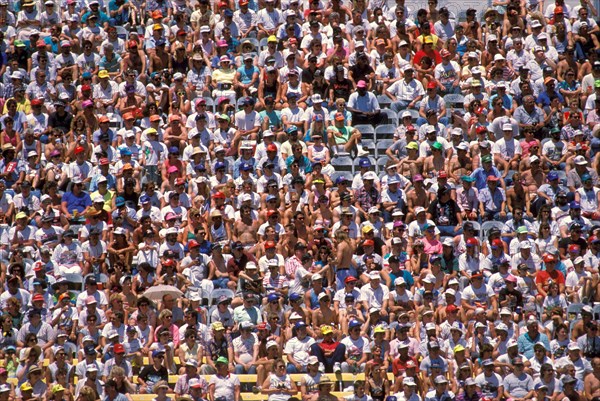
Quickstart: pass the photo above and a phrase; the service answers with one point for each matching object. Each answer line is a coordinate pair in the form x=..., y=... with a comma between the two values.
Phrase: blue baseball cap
x=273, y=297
x=271, y=197
x=354, y=323
x=120, y=201
x=340, y=179
x=574, y=205
x=125, y=151
x=291, y=130
x=157, y=352
x=299, y=325
x=174, y=150
x=586, y=177
x=144, y=199
x=219, y=165
x=553, y=175
x=294, y=296
x=228, y=13
x=246, y=167
x=365, y=163
x=86, y=75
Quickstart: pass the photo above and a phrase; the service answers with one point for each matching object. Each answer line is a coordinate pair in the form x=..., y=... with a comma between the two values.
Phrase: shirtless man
x=417, y=196
x=461, y=163
x=159, y=59
x=134, y=59
x=518, y=196
x=245, y=229
x=325, y=315
x=591, y=383
x=343, y=187
x=567, y=63
x=412, y=164
x=296, y=307
x=434, y=163
x=534, y=177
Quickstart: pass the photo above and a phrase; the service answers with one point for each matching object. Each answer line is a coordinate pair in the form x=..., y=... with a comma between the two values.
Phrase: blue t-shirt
x=77, y=202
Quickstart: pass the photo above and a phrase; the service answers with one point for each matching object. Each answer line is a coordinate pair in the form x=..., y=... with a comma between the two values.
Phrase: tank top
x=180, y=66
x=11, y=140
x=319, y=152
x=312, y=383
x=295, y=89
x=377, y=392
x=218, y=234
x=270, y=89
x=279, y=382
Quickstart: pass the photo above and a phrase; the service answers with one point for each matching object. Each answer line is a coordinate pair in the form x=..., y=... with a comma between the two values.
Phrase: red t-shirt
x=399, y=366
x=543, y=276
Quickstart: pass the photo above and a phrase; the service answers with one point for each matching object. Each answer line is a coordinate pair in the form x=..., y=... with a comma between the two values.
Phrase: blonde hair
x=87, y=394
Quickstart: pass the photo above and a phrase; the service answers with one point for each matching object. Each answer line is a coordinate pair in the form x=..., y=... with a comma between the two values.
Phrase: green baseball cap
x=521, y=230
x=436, y=145
x=222, y=359
x=486, y=158
x=19, y=43
x=467, y=178
x=596, y=82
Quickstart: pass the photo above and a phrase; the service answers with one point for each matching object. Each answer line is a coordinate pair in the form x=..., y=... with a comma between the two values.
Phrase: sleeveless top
x=297, y=89
x=312, y=383
x=377, y=392
x=180, y=66
x=279, y=382
x=271, y=89
x=218, y=234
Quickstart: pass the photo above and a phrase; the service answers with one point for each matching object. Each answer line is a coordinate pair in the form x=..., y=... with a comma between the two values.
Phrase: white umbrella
x=157, y=293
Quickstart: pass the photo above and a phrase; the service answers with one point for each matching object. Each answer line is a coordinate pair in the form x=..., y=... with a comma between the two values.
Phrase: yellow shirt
x=108, y=198
x=24, y=106
x=222, y=76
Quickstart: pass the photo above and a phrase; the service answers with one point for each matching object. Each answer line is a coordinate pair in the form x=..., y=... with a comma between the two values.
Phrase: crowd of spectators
x=178, y=218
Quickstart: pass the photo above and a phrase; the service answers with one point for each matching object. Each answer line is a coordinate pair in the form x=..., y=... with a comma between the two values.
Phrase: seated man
x=330, y=353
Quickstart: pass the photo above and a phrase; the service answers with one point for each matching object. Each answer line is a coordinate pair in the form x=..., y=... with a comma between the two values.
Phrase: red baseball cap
x=442, y=174
x=451, y=308
x=472, y=242
x=37, y=297
x=548, y=257
x=119, y=349
x=79, y=149
x=272, y=147
x=269, y=244
x=218, y=195
x=168, y=262
x=350, y=279
x=369, y=242
x=431, y=85
x=193, y=244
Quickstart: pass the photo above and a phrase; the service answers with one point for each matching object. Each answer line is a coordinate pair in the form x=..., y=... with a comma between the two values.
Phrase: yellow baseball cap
x=326, y=329
x=272, y=38
x=412, y=145
x=103, y=74
x=218, y=326
x=26, y=387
